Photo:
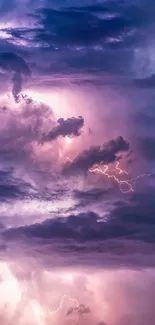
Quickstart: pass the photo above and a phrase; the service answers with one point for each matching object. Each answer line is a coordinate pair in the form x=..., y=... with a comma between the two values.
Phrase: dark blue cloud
x=83, y=227
x=97, y=23
x=12, y=188
x=63, y=28
x=12, y=62
x=105, y=40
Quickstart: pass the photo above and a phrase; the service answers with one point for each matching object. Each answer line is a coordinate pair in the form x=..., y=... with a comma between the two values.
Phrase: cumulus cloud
x=23, y=131
x=107, y=153
x=16, y=65
x=20, y=144
x=69, y=127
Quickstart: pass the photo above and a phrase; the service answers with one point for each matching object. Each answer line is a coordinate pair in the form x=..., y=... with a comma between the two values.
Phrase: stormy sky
x=77, y=162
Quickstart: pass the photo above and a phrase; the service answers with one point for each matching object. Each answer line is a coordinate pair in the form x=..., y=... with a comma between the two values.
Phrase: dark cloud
x=65, y=27
x=91, y=196
x=138, y=212
x=110, y=37
x=98, y=22
x=83, y=227
x=110, y=24
x=13, y=63
x=129, y=226
x=12, y=188
x=133, y=220
x=82, y=309
x=69, y=127
x=104, y=40
x=107, y=153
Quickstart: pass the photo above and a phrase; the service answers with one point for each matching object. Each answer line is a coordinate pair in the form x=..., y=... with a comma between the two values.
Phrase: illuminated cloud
x=25, y=129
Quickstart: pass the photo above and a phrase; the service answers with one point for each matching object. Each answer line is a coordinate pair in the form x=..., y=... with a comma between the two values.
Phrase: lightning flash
x=126, y=185
x=41, y=315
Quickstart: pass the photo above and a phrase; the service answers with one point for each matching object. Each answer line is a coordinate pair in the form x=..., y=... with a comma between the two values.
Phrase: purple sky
x=77, y=162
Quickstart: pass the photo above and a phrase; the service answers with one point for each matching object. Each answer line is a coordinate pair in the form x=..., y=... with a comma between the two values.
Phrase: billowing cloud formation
x=69, y=127
x=13, y=63
x=96, y=55
x=25, y=129
x=23, y=132
x=126, y=221
x=99, y=154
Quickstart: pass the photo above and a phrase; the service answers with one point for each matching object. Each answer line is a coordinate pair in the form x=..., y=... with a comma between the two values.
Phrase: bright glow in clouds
x=57, y=100
x=10, y=290
x=42, y=209
x=39, y=296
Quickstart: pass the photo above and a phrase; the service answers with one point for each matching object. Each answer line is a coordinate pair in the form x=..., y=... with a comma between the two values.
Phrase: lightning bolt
x=40, y=314
x=76, y=303
x=120, y=171
x=104, y=170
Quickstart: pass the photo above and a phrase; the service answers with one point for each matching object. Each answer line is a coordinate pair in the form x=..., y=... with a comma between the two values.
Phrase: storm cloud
x=107, y=153
x=69, y=127
x=75, y=245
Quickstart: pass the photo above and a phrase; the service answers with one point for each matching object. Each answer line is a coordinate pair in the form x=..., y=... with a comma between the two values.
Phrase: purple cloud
x=69, y=127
